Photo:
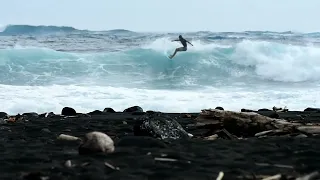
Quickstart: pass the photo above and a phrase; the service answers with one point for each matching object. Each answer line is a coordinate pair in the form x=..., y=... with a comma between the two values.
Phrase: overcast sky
x=166, y=15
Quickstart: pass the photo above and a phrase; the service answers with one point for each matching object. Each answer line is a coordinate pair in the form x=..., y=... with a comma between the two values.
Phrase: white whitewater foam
x=40, y=99
x=280, y=62
x=3, y=27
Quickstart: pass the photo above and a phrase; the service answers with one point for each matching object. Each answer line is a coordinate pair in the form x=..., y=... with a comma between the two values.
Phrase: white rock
x=96, y=142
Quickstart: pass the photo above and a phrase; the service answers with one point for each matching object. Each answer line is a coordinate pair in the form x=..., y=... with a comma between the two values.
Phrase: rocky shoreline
x=136, y=144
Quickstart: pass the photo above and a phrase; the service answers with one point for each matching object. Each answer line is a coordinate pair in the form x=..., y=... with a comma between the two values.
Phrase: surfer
x=184, y=48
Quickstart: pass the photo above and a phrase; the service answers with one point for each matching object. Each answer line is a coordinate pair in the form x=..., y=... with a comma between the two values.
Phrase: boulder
x=96, y=142
x=95, y=112
x=159, y=125
x=3, y=115
x=134, y=109
x=309, y=109
x=68, y=111
x=108, y=110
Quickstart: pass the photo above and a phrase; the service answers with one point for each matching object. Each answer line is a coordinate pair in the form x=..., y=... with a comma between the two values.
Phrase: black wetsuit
x=184, y=43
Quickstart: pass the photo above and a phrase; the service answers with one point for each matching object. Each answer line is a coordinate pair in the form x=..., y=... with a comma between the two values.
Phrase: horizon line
x=151, y=31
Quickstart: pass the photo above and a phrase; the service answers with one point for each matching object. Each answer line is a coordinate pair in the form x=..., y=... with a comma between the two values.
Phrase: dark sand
x=32, y=147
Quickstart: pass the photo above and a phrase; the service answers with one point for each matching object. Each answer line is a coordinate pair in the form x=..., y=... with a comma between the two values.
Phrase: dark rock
x=96, y=142
x=83, y=115
x=48, y=115
x=274, y=115
x=96, y=112
x=108, y=110
x=3, y=115
x=186, y=116
x=45, y=130
x=159, y=125
x=309, y=109
x=220, y=108
x=34, y=176
x=138, y=113
x=2, y=121
x=134, y=109
x=68, y=111
x=246, y=110
x=140, y=141
x=30, y=115
x=151, y=112
x=264, y=109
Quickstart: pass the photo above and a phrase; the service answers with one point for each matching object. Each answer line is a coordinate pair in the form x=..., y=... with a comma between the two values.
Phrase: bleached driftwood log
x=242, y=123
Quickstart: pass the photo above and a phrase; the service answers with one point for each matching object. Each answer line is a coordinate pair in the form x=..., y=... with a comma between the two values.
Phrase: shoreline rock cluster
x=153, y=129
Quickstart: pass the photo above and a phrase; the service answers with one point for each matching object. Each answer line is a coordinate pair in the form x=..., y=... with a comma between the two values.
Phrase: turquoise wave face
x=145, y=67
x=247, y=62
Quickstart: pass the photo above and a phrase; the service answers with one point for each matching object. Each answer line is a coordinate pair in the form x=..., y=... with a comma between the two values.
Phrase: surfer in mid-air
x=184, y=48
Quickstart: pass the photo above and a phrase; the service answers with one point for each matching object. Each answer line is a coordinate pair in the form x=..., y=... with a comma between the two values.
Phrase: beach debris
x=274, y=177
x=212, y=137
x=275, y=165
x=111, y=166
x=68, y=164
x=225, y=134
x=165, y=159
x=220, y=175
x=245, y=124
x=11, y=119
x=85, y=164
x=276, y=109
x=312, y=176
x=94, y=142
x=309, y=129
x=66, y=137
x=271, y=133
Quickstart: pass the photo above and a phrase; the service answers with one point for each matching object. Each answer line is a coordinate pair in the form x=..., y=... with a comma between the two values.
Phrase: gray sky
x=166, y=15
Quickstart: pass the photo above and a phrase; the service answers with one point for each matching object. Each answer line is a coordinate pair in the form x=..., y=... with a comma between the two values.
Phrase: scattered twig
x=275, y=177
x=275, y=165
x=310, y=176
x=111, y=166
x=165, y=159
x=67, y=137
x=220, y=175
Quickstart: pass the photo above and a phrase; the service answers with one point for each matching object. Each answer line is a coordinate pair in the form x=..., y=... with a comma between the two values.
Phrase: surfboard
x=166, y=54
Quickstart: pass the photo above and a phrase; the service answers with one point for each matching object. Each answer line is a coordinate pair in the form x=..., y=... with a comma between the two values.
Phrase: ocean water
x=44, y=69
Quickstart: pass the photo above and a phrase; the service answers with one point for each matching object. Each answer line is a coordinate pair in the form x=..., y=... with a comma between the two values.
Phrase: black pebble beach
x=30, y=149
